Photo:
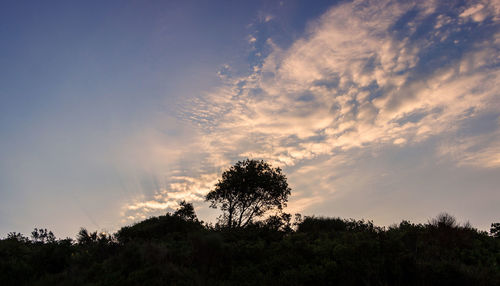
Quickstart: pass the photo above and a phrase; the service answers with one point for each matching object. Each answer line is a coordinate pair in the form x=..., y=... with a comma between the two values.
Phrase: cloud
x=361, y=82
x=366, y=74
x=482, y=151
x=476, y=12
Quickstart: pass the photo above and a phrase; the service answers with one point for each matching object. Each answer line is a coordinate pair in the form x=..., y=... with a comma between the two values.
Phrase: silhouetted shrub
x=157, y=228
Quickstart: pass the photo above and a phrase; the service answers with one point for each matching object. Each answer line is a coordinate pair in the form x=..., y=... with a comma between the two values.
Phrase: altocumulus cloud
x=365, y=75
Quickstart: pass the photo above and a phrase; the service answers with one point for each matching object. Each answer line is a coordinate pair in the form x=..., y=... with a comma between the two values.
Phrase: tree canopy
x=248, y=190
x=186, y=211
x=495, y=229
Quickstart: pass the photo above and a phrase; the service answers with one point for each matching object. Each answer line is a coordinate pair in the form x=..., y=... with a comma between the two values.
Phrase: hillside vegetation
x=254, y=242
x=176, y=249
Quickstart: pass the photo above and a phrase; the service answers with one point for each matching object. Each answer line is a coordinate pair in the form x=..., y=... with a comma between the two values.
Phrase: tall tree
x=248, y=190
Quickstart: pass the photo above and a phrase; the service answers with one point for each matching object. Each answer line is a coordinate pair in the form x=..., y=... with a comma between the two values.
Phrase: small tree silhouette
x=17, y=236
x=42, y=235
x=495, y=229
x=186, y=211
x=444, y=220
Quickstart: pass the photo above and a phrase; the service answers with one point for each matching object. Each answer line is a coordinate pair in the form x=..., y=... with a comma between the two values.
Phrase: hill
x=178, y=250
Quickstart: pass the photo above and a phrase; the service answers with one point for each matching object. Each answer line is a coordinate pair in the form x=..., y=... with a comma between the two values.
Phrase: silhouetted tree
x=186, y=211
x=17, y=236
x=247, y=190
x=495, y=229
x=279, y=222
x=86, y=238
x=444, y=220
x=42, y=235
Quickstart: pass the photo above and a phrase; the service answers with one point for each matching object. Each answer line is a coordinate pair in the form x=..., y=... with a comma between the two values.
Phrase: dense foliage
x=247, y=191
x=177, y=249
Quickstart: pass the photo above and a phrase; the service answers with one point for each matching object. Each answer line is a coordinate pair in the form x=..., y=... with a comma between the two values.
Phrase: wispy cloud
x=366, y=74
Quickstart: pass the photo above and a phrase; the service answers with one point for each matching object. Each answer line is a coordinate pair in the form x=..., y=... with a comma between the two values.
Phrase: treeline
x=248, y=246
x=178, y=249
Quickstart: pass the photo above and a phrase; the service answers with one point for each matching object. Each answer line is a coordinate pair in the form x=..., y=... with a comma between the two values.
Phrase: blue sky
x=114, y=111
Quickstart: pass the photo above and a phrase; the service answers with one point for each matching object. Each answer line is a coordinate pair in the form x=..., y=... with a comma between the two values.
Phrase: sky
x=114, y=111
